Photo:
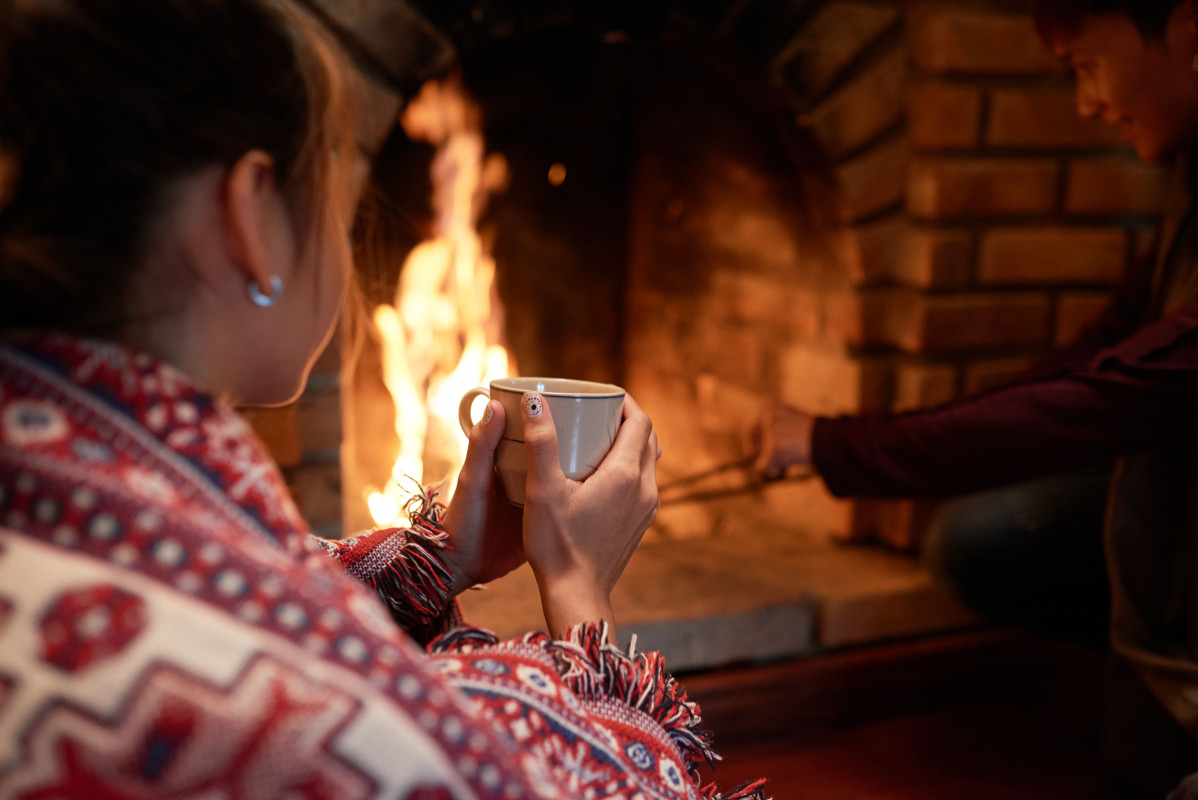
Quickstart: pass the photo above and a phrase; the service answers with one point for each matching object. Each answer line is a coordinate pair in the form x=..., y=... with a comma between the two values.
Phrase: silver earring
x=263, y=300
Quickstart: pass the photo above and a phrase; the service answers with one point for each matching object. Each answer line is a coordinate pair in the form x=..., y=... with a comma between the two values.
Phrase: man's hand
x=1186, y=790
x=783, y=440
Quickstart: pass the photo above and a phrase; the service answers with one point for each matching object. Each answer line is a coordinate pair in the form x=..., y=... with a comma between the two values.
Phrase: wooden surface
x=985, y=714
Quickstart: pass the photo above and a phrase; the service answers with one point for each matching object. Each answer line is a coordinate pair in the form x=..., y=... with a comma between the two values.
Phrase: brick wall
x=983, y=220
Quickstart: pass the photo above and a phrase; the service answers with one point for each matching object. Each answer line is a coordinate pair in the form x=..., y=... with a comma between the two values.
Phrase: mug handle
x=465, y=405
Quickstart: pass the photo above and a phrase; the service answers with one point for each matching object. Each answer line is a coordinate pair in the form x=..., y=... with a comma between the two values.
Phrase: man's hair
x=1064, y=18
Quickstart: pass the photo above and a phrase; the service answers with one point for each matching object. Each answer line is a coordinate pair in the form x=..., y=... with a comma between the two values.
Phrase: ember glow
x=444, y=333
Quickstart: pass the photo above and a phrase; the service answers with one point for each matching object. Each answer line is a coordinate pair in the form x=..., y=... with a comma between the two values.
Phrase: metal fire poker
x=751, y=481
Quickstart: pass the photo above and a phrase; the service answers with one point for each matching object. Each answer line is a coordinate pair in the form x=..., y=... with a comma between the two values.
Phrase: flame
x=443, y=335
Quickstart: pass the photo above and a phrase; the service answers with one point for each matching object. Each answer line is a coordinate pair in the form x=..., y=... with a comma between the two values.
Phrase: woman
x=177, y=179
x=1127, y=389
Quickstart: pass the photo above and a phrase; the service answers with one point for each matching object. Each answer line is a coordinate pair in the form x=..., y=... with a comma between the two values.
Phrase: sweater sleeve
x=1127, y=398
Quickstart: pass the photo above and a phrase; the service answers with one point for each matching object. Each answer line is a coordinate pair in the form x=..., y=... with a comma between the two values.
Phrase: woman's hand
x=783, y=439
x=579, y=535
x=484, y=528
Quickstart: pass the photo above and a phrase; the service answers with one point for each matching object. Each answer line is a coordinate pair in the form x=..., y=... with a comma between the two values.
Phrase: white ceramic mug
x=587, y=417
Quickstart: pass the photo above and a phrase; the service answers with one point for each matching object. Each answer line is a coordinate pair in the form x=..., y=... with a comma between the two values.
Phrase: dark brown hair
x=1064, y=18
x=105, y=103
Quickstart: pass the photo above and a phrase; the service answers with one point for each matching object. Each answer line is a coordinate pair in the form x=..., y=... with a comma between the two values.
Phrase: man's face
x=1147, y=88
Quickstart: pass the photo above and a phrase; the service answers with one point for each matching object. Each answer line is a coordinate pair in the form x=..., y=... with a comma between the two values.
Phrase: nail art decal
x=488, y=415
x=533, y=405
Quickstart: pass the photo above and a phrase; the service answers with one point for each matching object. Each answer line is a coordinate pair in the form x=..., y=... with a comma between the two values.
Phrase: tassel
x=753, y=790
x=594, y=670
x=402, y=565
x=464, y=640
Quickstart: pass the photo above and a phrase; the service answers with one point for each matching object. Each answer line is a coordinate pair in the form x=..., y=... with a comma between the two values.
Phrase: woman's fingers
x=480, y=452
x=540, y=443
x=627, y=451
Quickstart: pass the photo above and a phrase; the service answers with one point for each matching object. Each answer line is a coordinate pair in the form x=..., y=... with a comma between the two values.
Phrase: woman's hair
x=104, y=104
x=1064, y=18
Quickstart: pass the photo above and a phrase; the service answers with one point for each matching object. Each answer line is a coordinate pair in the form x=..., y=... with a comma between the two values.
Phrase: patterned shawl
x=169, y=628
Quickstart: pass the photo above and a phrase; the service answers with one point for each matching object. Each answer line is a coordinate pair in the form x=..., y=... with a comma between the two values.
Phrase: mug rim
x=601, y=390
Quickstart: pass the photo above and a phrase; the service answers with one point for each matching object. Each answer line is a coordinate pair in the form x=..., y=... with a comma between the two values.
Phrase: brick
x=873, y=181
x=991, y=320
x=924, y=258
x=983, y=375
x=686, y=448
x=746, y=221
x=864, y=109
x=1113, y=187
x=948, y=39
x=727, y=351
x=944, y=188
x=1052, y=255
x=1075, y=310
x=873, y=248
x=887, y=317
x=320, y=421
x=318, y=492
x=923, y=385
x=833, y=40
x=872, y=317
x=724, y=405
x=1043, y=118
x=278, y=428
x=831, y=382
x=935, y=259
x=841, y=319
x=943, y=116
x=876, y=249
x=658, y=332
x=762, y=301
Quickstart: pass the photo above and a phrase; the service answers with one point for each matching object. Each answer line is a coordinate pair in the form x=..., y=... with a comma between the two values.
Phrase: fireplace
x=848, y=206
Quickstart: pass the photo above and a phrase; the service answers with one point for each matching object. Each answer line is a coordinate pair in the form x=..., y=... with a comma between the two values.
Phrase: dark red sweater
x=1123, y=386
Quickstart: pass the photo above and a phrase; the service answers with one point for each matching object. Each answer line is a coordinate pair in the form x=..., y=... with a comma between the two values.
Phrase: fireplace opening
x=646, y=186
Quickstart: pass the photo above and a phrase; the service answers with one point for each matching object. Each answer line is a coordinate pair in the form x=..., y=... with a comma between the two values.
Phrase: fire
x=443, y=335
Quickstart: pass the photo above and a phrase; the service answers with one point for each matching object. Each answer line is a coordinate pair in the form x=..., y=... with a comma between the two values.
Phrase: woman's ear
x=250, y=212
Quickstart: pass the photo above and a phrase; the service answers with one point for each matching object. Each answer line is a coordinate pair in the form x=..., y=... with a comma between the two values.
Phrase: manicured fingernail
x=534, y=406
x=488, y=415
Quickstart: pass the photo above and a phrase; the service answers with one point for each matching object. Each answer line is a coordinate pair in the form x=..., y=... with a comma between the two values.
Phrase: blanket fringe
x=464, y=639
x=594, y=669
x=413, y=581
x=753, y=790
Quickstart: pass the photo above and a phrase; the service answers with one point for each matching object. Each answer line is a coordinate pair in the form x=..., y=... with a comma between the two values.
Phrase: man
x=1126, y=390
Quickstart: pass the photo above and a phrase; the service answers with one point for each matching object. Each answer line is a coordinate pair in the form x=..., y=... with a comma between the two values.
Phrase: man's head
x=1135, y=64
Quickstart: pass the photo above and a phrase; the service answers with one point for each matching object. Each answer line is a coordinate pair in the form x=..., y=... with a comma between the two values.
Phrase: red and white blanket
x=169, y=628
